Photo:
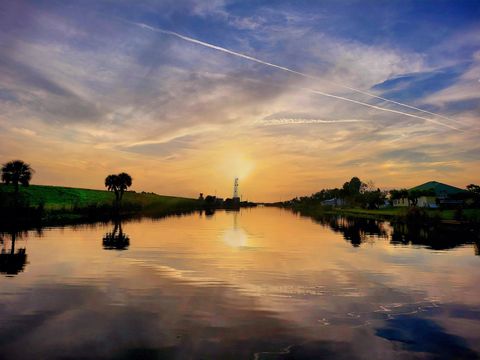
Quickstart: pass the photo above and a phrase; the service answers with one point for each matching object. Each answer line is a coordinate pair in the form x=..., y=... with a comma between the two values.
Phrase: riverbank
x=394, y=213
x=42, y=205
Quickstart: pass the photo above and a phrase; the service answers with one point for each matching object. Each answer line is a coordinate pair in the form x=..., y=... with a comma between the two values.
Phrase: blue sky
x=85, y=79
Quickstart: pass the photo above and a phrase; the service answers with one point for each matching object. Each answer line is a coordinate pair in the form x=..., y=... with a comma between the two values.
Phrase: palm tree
x=17, y=172
x=13, y=262
x=116, y=240
x=111, y=183
x=124, y=182
x=118, y=184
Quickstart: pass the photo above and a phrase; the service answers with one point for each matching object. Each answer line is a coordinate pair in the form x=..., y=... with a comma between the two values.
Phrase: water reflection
x=356, y=231
x=116, y=239
x=421, y=335
x=209, y=212
x=442, y=237
x=12, y=261
x=436, y=237
x=256, y=284
x=235, y=236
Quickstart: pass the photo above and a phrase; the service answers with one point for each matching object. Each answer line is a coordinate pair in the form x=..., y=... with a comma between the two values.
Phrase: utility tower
x=235, y=188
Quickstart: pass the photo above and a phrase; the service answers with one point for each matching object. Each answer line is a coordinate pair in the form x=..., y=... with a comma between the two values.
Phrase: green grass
x=449, y=214
x=472, y=215
x=358, y=212
x=383, y=212
x=159, y=204
x=57, y=197
x=66, y=198
x=399, y=212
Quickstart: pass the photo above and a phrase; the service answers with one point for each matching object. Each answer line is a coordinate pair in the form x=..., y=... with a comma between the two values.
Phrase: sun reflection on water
x=235, y=237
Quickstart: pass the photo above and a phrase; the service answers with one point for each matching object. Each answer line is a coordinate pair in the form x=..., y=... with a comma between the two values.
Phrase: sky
x=289, y=96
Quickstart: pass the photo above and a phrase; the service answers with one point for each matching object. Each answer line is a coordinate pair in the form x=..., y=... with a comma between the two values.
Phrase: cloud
x=31, y=89
x=212, y=7
x=23, y=131
x=247, y=23
x=283, y=68
x=408, y=155
x=283, y=118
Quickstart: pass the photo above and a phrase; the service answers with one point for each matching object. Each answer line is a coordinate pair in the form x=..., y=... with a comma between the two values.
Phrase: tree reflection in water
x=354, y=230
x=437, y=236
x=116, y=239
x=12, y=262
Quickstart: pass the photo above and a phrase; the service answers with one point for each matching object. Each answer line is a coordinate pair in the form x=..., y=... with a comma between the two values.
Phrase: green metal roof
x=439, y=188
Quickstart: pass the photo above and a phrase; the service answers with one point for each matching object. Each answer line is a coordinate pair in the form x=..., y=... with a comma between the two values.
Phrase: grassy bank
x=448, y=215
x=57, y=204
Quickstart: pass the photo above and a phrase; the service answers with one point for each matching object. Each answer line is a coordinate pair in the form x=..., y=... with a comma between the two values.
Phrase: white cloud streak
x=293, y=121
x=250, y=58
x=382, y=108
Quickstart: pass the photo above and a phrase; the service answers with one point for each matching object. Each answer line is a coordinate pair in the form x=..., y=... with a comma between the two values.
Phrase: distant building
x=400, y=202
x=442, y=194
x=333, y=202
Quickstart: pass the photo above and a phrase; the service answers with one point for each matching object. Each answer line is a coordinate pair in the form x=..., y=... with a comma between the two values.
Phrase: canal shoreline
x=447, y=216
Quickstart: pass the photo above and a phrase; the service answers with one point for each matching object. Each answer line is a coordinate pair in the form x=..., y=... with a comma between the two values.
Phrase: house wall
x=423, y=201
x=427, y=201
x=400, y=202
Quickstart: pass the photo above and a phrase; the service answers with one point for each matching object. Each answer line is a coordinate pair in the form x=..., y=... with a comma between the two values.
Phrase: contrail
x=289, y=121
x=247, y=57
x=382, y=108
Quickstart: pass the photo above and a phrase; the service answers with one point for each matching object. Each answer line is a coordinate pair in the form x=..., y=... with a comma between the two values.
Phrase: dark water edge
x=36, y=218
x=32, y=218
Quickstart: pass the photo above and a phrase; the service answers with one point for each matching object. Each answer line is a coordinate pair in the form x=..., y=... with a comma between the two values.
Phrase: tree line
x=352, y=193
x=357, y=193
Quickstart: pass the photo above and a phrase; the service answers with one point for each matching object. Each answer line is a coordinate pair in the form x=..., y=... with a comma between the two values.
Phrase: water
x=263, y=283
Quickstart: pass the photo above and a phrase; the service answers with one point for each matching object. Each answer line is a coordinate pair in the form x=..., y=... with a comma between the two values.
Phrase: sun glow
x=236, y=165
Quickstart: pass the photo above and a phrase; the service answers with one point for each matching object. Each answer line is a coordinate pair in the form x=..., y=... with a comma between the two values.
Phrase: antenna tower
x=235, y=188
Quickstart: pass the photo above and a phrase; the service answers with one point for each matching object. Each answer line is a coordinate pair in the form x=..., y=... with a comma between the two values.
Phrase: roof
x=439, y=188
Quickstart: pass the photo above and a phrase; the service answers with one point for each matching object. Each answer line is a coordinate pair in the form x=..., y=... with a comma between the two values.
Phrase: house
x=444, y=194
x=440, y=195
x=333, y=202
